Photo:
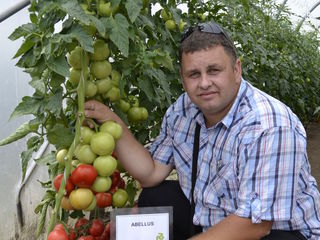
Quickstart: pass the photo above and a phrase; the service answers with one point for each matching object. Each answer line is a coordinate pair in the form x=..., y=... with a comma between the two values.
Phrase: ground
x=313, y=136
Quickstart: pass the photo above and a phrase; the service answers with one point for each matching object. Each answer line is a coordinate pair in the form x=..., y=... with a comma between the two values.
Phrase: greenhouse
x=62, y=59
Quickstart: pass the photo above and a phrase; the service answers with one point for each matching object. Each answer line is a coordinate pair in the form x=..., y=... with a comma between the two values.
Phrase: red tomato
x=81, y=226
x=58, y=234
x=106, y=233
x=121, y=184
x=59, y=227
x=57, y=182
x=72, y=234
x=96, y=228
x=115, y=178
x=84, y=175
x=88, y=237
x=104, y=199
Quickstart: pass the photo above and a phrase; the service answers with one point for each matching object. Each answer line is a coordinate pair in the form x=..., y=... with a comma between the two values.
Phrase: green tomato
x=101, y=184
x=92, y=205
x=102, y=143
x=75, y=75
x=113, y=128
x=144, y=113
x=85, y=154
x=113, y=94
x=104, y=85
x=91, y=89
x=119, y=198
x=104, y=9
x=115, y=77
x=61, y=155
x=170, y=25
x=101, y=50
x=105, y=165
x=123, y=105
x=165, y=16
x=74, y=58
x=134, y=115
x=86, y=134
x=133, y=100
x=181, y=25
x=91, y=29
x=100, y=69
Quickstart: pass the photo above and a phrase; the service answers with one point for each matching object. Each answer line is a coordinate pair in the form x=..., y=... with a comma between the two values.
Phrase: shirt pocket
x=222, y=190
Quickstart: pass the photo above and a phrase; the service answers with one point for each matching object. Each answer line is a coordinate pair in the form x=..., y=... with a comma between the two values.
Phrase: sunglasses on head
x=209, y=27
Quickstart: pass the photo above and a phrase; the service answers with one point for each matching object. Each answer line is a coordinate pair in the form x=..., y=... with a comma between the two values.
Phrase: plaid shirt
x=253, y=163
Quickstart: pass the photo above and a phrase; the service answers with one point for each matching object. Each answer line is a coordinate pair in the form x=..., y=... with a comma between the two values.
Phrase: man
x=253, y=177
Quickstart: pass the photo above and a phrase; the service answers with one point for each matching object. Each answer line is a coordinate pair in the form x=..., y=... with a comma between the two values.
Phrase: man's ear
x=238, y=70
x=181, y=76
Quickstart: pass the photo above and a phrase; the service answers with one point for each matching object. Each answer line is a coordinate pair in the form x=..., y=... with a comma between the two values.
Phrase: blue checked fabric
x=253, y=163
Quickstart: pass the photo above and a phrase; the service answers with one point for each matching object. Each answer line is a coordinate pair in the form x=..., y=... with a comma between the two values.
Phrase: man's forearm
x=236, y=228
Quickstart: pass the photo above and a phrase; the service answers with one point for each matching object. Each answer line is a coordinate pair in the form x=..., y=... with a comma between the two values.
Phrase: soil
x=313, y=147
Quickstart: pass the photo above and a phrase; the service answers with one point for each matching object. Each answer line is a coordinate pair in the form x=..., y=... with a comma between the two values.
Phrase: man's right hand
x=99, y=111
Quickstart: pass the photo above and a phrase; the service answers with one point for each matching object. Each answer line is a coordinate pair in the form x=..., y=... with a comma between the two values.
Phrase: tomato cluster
x=95, y=180
x=84, y=229
x=102, y=82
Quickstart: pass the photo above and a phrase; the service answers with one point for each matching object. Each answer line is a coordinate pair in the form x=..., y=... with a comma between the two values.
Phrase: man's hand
x=234, y=227
x=99, y=111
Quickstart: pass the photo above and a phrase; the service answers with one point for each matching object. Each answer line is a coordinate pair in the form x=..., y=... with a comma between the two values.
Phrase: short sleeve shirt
x=253, y=163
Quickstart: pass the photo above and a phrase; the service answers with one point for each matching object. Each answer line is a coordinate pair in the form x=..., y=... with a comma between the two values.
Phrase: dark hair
x=196, y=39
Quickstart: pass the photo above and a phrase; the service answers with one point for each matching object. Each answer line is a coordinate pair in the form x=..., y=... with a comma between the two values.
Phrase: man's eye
x=194, y=75
x=213, y=71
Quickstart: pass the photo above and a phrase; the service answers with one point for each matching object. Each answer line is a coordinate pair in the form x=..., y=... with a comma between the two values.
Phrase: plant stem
x=76, y=140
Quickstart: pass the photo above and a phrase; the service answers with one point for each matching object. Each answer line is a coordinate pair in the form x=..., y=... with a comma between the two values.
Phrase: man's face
x=211, y=81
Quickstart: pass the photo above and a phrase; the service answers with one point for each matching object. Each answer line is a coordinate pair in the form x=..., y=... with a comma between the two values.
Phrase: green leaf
x=54, y=103
x=98, y=24
x=162, y=80
x=73, y=8
x=246, y=5
x=59, y=65
x=42, y=208
x=145, y=85
x=131, y=190
x=82, y=36
x=25, y=47
x=46, y=159
x=28, y=105
x=133, y=9
x=21, y=132
x=38, y=84
x=119, y=33
x=23, y=30
x=60, y=136
x=42, y=219
x=34, y=141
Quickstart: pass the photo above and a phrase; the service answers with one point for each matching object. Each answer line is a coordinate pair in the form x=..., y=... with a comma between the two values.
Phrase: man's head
x=204, y=36
x=210, y=71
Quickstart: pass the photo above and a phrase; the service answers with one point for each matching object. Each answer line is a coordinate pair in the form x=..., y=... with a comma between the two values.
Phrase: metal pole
x=281, y=8
x=307, y=14
x=12, y=10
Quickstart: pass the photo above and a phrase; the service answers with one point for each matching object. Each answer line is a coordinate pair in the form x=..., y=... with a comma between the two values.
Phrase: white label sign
x=153, y=226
